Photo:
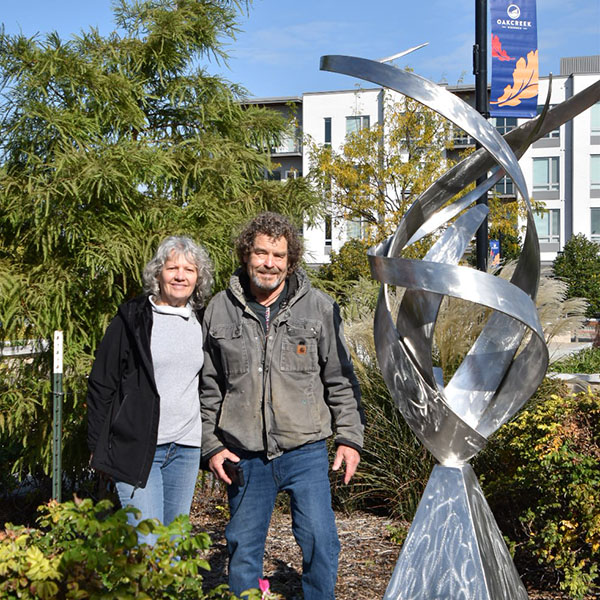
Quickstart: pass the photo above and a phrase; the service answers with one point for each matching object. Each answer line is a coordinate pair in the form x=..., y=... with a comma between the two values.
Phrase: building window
x=545, y=174
x=354, y=229
x=595, y=172
x=547, y=225
x=505, y=187
x=328, y=230
x=462, y=138
x=274, y=175
x=293, y=174
x=327, y=124
x=595, y=224
x=505, y=124
x=555, y=133
x=354, y=124
x=596, y=119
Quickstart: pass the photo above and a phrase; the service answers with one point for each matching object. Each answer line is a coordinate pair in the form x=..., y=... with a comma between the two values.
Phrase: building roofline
x=463, y=87
x=271, y=100
x=354, y=90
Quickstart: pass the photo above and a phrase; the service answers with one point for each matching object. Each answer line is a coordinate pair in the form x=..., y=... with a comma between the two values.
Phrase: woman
x=144, y=427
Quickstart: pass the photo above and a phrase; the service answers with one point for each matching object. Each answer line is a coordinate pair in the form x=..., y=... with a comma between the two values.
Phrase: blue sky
x=277, y=52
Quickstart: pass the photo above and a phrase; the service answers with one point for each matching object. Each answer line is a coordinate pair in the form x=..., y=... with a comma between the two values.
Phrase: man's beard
x=263, y=285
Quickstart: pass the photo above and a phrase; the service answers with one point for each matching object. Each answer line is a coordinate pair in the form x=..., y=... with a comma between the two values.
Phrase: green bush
x=345, y=269
x=108, y=144
x=584, y=361
x=394, y=466
x=579, y=265
x=541, y=475
x=84, y=550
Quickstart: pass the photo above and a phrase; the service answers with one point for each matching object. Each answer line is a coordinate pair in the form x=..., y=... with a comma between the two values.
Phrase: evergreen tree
x=108, y=144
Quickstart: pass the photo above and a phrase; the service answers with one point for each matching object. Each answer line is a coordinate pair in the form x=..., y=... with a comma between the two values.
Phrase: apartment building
x=287, y=157
x=328, y=118
x=562, y=169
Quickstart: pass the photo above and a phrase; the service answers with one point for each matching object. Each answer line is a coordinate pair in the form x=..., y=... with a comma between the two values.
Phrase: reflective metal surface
x=453, y=422
x=454, y=549
x=454, y=541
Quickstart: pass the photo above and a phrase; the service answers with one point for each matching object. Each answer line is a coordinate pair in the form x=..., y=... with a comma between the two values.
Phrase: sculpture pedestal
x=454, y=549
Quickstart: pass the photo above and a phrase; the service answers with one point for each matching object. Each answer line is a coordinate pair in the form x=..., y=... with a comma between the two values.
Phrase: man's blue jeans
x=169, y=490
x=303, y=473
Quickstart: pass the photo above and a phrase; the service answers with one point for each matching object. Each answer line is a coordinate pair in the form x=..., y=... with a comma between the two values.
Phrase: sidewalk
x=559, y=350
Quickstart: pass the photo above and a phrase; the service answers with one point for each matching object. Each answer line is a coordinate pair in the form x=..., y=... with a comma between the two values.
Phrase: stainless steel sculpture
x=454, y=549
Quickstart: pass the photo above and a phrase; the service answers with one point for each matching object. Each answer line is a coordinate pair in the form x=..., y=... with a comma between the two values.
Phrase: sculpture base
x=454, y=549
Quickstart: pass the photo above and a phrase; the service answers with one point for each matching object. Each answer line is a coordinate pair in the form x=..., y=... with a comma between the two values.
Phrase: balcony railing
x=290, y=144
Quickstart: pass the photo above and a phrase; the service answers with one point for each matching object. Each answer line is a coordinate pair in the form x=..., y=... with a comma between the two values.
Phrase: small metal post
x=57, y=392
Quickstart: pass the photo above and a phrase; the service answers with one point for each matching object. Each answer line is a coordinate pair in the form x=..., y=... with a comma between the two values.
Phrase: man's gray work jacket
x=278, y=391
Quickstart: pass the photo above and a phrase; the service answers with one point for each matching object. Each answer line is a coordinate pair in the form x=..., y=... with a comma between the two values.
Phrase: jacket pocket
x=229, y=341
x=299, y=347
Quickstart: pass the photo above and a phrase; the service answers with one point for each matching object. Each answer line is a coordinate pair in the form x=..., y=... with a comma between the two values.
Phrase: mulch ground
x=367, y=559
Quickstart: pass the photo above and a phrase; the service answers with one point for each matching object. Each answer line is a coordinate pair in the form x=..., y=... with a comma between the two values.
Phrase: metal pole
x=57, y=392
x=481, y=105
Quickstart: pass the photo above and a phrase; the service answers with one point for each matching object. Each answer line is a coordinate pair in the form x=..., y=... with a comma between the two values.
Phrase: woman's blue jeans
x=304, y=474
x=169, y=490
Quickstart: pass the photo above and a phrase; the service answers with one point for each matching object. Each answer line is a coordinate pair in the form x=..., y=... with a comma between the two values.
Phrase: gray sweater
x=177, y=358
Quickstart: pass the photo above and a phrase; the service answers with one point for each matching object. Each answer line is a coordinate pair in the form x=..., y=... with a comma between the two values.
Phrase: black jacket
x=123, y=404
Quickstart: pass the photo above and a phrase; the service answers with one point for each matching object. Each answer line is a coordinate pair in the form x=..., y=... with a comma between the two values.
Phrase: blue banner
x=515, y=71
x=494, y=258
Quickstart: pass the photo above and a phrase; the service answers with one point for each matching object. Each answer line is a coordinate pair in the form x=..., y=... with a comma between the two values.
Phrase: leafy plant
x=541, y=475
x=381, y=169
x=394, y=466
x=579, y=265
x=397, y=534
x=84, y=550
x=108, y=144
x=584, y=361
x=346, y=268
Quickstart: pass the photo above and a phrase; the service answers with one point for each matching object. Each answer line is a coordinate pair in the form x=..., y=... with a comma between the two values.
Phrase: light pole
x=481, y=105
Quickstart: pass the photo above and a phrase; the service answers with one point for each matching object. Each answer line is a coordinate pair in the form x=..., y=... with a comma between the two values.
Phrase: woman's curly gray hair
x=193, y=252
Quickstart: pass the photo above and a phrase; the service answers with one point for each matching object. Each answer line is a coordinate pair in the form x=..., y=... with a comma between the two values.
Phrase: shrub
x=579, y=266
x=345, y=269
x=541, y=475
x=84, y=550
x=584, y=361
x=394, y=466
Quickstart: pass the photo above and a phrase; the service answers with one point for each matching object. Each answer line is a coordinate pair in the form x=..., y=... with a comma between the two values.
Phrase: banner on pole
x=515, y=70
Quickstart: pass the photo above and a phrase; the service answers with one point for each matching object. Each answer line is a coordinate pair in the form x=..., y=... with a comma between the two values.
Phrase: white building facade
x=328, y=117
x=562, y=169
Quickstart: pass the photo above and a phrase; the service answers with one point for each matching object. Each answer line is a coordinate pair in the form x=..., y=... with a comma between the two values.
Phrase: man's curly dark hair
x=275, y=226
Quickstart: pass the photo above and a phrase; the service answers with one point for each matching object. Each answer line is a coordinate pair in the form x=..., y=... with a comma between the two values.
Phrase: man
x=277, y=378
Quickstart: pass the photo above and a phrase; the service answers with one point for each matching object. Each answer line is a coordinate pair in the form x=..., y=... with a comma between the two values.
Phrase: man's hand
x=348, y=455
x=215, y=464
